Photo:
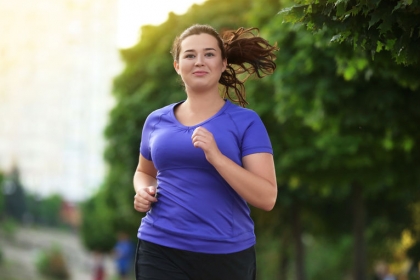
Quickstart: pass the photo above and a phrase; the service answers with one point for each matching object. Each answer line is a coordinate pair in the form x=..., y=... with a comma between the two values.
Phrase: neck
x=204, y=102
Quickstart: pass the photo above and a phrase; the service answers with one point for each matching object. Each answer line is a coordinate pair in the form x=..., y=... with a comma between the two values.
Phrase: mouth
x=199, y=73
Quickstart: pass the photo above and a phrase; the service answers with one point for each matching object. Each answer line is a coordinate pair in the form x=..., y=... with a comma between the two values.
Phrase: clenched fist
x=144, y=198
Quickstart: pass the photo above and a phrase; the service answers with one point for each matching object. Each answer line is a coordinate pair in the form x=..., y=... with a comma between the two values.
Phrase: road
x=21, y=251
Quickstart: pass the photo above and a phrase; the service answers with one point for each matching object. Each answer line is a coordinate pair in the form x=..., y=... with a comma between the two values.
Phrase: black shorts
x=156, y=262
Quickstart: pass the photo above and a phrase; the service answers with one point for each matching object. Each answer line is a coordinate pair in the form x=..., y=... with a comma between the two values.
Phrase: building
x=57, y=63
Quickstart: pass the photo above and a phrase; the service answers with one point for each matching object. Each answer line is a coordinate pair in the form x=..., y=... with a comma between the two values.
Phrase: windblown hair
x=246, y=53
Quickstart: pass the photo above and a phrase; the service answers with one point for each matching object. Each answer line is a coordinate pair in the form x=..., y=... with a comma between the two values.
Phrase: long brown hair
x=245, y=51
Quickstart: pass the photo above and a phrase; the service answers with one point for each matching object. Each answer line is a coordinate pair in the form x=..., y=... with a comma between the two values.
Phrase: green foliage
x=337, y=109
x=97, y=230
x=1, y=193
x=45, y=211
x=14, y=200
x=336, y=131
x=8, y=228
x=414, y=252
x=328, y=259
x=374, y=26
x=268, y=257
x=16, y=204
x=334, y=114
x=51, y=263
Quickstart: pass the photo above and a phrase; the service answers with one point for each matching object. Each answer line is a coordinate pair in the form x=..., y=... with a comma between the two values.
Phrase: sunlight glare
x=132, y=14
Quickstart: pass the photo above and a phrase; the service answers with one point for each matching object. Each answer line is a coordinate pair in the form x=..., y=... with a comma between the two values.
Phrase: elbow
x=270, y=202
x=268, y=206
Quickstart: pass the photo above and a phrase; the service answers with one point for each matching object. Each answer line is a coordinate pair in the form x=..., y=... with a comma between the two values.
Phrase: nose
x=199, y=61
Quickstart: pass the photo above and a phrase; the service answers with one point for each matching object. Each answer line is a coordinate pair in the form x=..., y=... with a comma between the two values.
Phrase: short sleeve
x=145, y=138
x=255, y=138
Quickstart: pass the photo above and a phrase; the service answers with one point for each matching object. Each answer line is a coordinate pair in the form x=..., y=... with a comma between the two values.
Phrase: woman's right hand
x=144, y=198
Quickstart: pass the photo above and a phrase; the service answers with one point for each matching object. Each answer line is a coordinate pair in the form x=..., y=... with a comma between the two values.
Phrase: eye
x=189, y=56
x=209, y=54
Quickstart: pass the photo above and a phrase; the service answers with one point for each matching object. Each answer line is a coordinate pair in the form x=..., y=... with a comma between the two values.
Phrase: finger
x=199, y=131
x=144, y=198
x=199, y=139
x=141, y=208
x=140, y=199
x=199, y=142
x=142, y=205
x=151, y=191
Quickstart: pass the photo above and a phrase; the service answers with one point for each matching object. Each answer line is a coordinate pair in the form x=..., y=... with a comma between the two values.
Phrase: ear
x=176, y=66
x=224, y=64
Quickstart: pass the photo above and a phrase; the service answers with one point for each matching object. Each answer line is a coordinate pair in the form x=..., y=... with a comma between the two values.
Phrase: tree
x=45, y=210
x=389, y=26
x=340, y=123
x=1, y=194
x=339, y=108
x=14, y=195
x=97, y=231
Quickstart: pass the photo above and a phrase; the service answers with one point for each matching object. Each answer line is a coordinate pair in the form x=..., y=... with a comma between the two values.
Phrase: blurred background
x=79, y=77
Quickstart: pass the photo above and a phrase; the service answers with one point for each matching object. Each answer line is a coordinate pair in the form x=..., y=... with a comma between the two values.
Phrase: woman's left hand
x=203, y=139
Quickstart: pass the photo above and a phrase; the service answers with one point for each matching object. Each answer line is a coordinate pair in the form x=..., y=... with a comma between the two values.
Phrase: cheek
x=184, y=66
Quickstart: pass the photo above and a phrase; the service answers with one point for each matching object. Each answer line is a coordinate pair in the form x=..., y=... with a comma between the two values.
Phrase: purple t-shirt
x=197, y=210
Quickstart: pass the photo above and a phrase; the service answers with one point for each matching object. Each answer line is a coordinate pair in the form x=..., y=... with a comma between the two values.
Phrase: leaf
x=384, y=27
x=379, y=46
x=341, y=7
x=397, y=7
x=353, y=11
x=336, y=38
x=294, y=14
x=375, y=18
x=390, y=44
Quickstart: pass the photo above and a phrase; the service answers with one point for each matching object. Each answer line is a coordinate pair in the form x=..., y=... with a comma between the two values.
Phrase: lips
x=200, y=73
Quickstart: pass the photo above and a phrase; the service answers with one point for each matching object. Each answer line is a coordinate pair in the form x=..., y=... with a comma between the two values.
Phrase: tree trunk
x=359, y=216
x=299, y=248
x=284, y=265
x=284, y=258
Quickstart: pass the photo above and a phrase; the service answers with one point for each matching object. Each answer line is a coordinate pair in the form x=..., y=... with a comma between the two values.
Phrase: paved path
x=23, y=248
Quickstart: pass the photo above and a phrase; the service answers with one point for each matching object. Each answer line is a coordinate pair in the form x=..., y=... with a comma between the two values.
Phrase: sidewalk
x=21, y=252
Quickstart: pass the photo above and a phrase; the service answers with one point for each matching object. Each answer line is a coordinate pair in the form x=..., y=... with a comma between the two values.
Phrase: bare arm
x=255, y=181
x=144, y=182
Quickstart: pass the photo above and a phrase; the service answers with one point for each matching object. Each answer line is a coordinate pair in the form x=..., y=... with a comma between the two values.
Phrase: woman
x=202, y=161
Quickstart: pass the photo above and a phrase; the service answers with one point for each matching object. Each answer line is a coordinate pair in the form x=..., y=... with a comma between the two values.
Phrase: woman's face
x=200, y=62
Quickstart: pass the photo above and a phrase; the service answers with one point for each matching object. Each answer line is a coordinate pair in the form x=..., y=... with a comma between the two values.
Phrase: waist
x=184, y=240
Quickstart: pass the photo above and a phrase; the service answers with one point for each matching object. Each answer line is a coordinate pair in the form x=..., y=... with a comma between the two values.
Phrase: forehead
x=199, y=42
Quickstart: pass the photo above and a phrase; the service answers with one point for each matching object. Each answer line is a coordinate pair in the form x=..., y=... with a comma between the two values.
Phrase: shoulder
x=161, y=111
x=246, y=121
x=155, y=118
x=157, y=114
x=242, y=115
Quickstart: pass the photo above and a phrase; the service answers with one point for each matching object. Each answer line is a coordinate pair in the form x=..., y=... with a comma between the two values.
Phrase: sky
x=132, y=14
x=80, y=71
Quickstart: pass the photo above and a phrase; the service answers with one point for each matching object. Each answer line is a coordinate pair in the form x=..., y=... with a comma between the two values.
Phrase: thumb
x=151, y=190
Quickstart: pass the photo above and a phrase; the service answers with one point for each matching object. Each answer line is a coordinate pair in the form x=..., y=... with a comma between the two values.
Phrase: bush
x=51, y=263
x=8, y=227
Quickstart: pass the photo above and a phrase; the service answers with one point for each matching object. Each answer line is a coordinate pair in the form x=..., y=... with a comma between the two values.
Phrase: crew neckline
x=178, y=123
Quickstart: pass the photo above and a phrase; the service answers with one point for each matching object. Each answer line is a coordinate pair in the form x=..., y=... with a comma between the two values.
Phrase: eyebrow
x=206, y=49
